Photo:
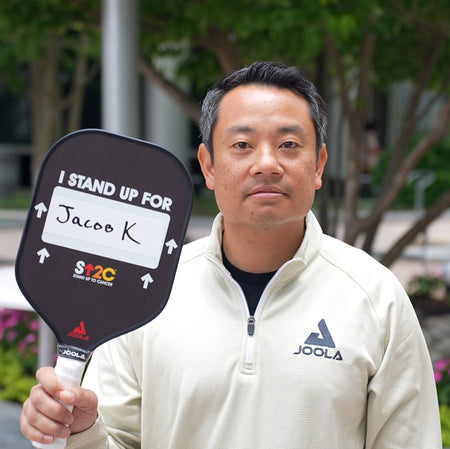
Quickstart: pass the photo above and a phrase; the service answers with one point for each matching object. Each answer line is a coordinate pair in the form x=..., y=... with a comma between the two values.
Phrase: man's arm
x=402, y=401
x=111, y=374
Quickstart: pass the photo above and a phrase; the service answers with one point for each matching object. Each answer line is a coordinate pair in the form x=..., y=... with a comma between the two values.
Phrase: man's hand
x=44, y=418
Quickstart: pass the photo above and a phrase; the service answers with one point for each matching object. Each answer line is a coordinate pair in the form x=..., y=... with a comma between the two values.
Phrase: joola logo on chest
x=320, y=345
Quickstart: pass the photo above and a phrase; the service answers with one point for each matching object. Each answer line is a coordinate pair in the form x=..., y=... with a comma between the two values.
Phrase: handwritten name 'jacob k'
x=88, y=223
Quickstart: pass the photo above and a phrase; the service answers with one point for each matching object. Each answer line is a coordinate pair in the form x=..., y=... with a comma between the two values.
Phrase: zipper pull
x=251, y=326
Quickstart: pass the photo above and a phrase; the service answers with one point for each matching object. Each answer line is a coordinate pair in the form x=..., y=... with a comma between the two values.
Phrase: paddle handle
x=69, y=372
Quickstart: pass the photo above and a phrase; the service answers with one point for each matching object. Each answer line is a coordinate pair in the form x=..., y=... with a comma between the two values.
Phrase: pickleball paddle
x=102, y=241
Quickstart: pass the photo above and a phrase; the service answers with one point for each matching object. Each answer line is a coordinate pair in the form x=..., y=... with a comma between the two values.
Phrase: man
x=275, y=335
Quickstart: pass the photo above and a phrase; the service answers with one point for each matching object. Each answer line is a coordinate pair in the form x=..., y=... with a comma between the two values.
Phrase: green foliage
x=25, y=27
x=445, y=424
x=435, y=160
x=428, y=286
x=15, y=382
x=201, y=39
x=198, y=32
x=284, y=30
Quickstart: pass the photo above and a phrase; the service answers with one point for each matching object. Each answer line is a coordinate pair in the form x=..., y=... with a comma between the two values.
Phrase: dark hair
x=270, y=74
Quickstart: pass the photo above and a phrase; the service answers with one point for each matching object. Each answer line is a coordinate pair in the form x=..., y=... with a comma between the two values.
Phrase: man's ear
x=206, y=165
x=320, y=166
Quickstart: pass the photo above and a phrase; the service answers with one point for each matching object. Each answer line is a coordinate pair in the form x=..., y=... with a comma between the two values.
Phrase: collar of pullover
x=307, y=252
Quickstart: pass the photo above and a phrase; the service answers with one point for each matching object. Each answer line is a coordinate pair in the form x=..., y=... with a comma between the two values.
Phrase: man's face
x=265, y=169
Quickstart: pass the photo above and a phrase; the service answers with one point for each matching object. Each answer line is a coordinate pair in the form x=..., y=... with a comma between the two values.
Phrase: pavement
x=429, y=254
x=10, y=435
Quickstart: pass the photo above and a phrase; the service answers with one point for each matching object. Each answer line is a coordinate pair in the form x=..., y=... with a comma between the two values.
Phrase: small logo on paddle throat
x=320, y=345
x=79, y=332
x=71, y=352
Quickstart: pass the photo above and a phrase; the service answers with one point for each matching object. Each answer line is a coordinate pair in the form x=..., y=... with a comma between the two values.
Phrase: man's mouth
x=267, y=192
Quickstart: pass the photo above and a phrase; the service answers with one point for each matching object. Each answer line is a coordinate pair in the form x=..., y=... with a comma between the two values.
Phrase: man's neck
x=261, y=250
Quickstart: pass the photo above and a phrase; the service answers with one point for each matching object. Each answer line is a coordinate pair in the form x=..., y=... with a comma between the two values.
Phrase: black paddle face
x=103, y=236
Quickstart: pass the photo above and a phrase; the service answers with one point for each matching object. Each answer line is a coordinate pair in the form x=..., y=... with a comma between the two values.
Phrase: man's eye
x=289, y=144
x=241, y=145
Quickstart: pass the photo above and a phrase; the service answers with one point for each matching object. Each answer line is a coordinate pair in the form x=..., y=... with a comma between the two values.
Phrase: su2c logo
x=98, y=272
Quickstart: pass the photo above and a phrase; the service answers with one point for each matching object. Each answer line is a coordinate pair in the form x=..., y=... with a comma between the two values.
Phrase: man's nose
x=266, y=161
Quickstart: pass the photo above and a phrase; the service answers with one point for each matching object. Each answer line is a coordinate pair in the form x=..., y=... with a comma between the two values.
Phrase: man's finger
x=85, y=409
x=38, y=427
x=47, y=378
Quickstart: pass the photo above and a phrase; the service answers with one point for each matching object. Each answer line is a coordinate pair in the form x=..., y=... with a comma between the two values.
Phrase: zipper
x=251, y=326
x=251, y=322
x=250, y=351
x=251, y=319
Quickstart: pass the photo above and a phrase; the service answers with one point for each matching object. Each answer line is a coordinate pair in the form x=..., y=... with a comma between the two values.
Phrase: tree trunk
x=48, y=107
x=355, y=114
x=78, y=86
x=400, y=163
x=419, y=226
x=398, y=180
x=45, y=92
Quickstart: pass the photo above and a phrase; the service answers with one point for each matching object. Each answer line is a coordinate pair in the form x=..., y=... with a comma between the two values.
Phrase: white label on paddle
x=105, y=227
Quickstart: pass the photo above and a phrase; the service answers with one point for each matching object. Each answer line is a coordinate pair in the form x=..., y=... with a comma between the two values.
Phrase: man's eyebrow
x=239, y=129
x=296, y=129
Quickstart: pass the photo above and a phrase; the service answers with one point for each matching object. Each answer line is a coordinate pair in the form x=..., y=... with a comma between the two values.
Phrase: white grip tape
x=69, y=373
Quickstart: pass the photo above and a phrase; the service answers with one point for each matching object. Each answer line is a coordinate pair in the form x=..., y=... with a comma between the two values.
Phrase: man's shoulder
x=352, y=269
x=352, y=260
x=193, y=250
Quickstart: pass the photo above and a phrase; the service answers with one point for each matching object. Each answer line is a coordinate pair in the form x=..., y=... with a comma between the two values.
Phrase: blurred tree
x=345, y=46
x=353, y=45
x=377, y=43
x=47, y=50
x=208, y=39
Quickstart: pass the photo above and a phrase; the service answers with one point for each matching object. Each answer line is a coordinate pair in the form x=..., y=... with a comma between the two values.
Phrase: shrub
x=433, y=287
x=18, y=353
x=18, y=332
x=442, y=377
x=445, y=424
x=15, y=383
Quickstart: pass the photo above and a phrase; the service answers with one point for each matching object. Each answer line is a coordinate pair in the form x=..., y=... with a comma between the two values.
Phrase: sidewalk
x=10, y=435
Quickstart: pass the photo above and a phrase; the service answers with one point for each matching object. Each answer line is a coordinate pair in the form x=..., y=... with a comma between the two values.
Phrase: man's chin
x=269, y=221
